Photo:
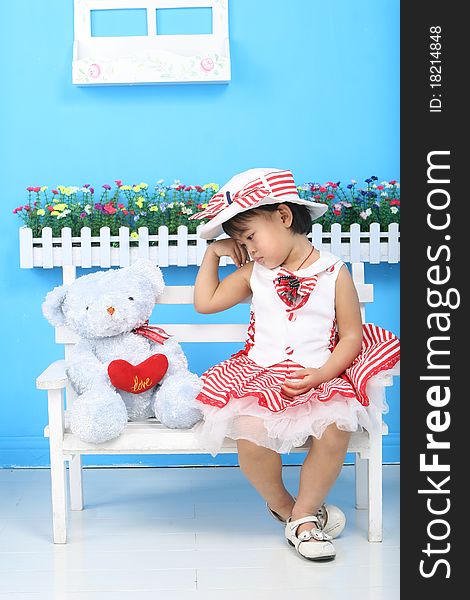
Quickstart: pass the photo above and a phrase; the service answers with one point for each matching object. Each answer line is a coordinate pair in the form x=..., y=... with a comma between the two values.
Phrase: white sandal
x=319, y=549
x=332, y=519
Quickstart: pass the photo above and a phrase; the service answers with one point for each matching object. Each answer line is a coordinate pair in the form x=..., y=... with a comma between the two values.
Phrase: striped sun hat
x=251, y=189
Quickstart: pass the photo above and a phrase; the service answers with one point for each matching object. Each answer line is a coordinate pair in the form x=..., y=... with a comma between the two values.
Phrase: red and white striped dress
x=292, y=326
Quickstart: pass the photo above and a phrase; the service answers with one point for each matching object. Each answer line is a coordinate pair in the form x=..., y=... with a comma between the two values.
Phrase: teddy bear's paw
x=175, y=402
x=98, y=417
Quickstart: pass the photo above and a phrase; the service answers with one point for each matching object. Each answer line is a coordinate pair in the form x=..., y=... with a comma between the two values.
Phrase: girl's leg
x=319, y=471
x=263, y=468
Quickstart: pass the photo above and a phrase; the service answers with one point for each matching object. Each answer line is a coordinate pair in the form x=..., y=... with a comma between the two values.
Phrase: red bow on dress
x=152, y=332
x=294, y=291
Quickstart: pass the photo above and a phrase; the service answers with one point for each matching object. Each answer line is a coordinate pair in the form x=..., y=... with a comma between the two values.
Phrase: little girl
x=303, y=371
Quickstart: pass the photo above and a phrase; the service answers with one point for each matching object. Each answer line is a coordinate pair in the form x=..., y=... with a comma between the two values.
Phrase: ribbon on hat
x=294, y=291
x=275, y=184
x=157, y=334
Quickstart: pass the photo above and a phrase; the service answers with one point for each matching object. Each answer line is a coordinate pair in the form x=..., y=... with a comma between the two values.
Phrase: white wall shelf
x=150, y=58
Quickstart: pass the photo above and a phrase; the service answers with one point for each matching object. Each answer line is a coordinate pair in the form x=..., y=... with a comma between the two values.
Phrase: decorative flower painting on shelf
x=150, y=54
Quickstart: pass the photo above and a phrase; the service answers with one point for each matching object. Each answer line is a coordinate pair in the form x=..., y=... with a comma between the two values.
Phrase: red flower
x=36, y=189
x=393, y=182
x=180, y=187
x=188, y=188
x=30, y=189
x=26, y=207
x=337, y=212
x=109, y=208
x=132, y=212
x=55, y=192
x=395, y=203
x=199, y=188
x=323, y=189
x=17, y=209
x=121, y=206
x=317, y=197
x=380, y=187
x=125, y=212
x=50, y=208
x=330, y=196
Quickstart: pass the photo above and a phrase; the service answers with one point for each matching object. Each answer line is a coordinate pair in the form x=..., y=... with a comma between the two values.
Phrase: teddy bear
x=121, y=368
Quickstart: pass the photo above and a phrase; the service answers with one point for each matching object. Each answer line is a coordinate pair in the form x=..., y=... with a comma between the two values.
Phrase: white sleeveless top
x=304, y=338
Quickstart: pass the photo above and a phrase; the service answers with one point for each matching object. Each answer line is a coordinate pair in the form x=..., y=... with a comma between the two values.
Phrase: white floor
x=184, y=533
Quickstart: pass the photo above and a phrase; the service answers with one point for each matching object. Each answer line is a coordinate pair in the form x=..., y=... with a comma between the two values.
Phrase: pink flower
x=109, y=208
x=36, y=189
x=106, y=186
x=94, y=71
x=207, y=64
x=26, y=207
x=330, y=196
x=118, y=182
x=30, y=189
x=317, y=197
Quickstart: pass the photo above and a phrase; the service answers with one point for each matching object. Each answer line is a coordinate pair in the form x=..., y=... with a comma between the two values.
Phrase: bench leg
x=362, y=476
x=375, y=488
x=58, y=472
x=75, y=481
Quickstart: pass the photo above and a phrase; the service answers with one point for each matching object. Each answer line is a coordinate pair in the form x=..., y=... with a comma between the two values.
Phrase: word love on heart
x=136, y=379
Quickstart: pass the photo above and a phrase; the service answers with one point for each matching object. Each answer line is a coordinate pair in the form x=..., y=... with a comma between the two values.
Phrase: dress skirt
x=243, y=400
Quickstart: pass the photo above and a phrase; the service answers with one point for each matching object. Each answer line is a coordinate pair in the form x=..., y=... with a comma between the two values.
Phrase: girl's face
x=267, y=238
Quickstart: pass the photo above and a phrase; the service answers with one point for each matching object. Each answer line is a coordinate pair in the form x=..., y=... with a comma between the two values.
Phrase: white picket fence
x=183, y=249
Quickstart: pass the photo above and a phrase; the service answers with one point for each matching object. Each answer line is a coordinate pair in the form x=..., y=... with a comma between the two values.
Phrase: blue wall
x=315, y=88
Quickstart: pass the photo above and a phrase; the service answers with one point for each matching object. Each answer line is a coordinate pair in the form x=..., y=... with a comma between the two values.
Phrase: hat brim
x=213, y=228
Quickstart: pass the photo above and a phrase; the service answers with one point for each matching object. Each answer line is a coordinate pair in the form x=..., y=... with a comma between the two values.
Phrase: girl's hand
x=231, y=248
x=309, y=379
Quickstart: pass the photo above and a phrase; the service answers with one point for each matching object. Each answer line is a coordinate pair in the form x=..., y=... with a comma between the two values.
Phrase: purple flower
x=82, y=215
x=92, y=190
x=349, y=186
x=374, y=178
x=99, y=206
x=106, y=186
x=87, y=185
x=367, y=181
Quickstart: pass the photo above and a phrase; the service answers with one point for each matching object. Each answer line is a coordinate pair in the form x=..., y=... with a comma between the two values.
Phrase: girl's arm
x=349, y=322
x=212, y=295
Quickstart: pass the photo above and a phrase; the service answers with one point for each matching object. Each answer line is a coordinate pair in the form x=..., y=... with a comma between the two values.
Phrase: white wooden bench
x=151, y=437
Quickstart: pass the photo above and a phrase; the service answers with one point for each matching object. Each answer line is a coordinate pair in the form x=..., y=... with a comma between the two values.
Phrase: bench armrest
x=53, y=378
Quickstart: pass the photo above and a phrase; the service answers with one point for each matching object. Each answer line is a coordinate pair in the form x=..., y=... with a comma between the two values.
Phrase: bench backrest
x=220, y=332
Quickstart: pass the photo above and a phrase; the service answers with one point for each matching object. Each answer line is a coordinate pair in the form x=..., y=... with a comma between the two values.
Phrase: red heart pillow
x=137, y=378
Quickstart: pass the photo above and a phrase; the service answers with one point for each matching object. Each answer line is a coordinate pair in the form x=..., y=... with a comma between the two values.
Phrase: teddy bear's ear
x=152, y=273
x=52, y=305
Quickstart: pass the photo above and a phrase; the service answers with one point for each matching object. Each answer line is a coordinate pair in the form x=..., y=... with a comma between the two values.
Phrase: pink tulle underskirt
x=244, y=418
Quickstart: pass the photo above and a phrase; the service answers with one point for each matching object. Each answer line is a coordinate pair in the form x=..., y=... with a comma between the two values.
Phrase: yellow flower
x=41, y=212
x=213, y=186
x=144, y=186
x=136, y=188
x=60, y=206
x=162, y=193
x=68, y=191
x=135, y=235
x=44, y=188
x=125, y=187
x=154, y=208
x=54, y=213
x=140, y=202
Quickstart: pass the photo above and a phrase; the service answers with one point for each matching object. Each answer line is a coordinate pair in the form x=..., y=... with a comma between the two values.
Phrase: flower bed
x=136, y=206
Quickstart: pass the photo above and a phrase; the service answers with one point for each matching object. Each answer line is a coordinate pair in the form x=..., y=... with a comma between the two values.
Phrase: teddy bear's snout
x=111, y=310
